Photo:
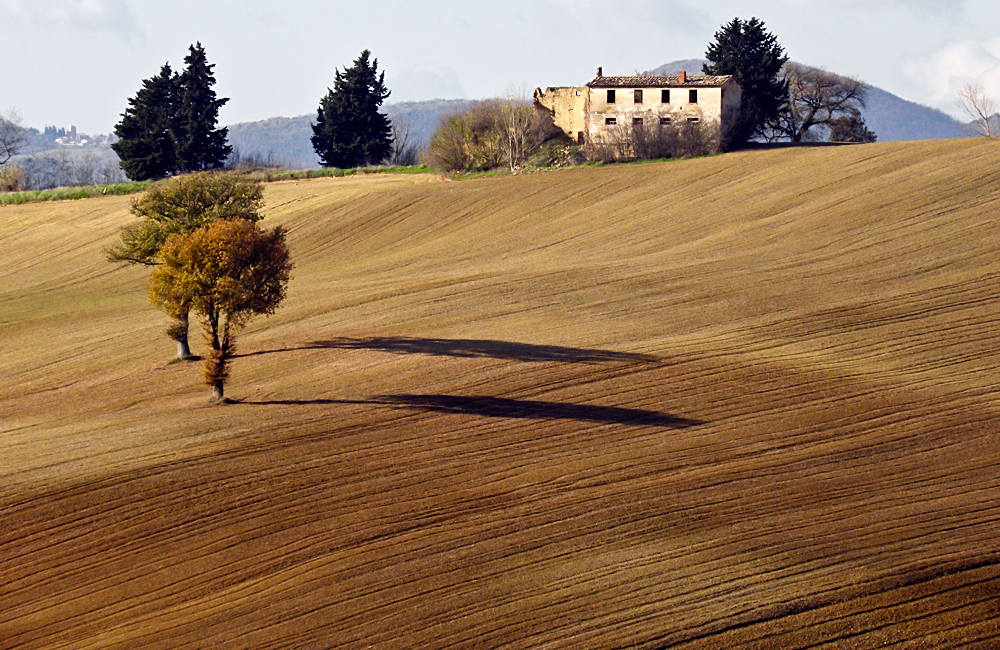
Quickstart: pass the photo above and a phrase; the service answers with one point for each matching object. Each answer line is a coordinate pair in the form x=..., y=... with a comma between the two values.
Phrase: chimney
x=600, y=72
x=683, y=76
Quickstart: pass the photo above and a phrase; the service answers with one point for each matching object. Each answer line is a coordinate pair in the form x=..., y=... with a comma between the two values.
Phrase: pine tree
x=200, y=145
x=349, y=130
x=146, y=132
x=745, y=50
x=169, y=127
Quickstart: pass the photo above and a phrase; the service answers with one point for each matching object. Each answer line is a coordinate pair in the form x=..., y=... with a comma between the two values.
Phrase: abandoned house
x=594, y=113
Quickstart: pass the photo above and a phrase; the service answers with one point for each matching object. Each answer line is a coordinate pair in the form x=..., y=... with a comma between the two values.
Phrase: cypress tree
x=200, y=145
x=349, y=130
x=748, y=52
x=146, y=132
x=169, y=127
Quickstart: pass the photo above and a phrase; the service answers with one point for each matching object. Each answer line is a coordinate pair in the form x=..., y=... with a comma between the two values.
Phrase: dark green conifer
x=746, y=50
x=200, y=146
x=169, y=127
x=349, y=130
x=146, y=132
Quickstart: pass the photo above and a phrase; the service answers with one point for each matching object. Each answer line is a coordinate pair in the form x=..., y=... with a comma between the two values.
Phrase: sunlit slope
x=745, y=400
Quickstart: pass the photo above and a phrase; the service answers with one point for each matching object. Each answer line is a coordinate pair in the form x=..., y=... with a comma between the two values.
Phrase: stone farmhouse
x=592, y=114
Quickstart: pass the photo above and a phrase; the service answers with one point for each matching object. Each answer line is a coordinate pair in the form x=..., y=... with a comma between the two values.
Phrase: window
x=693, y=96
x=611, y=95
x=610, y=121
x=637, y=121
x=665, y=96
x=693, y=120
x=638, y=95
x=664, y=120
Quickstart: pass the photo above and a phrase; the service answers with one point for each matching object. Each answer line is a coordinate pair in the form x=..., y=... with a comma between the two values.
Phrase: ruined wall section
x=568, y=108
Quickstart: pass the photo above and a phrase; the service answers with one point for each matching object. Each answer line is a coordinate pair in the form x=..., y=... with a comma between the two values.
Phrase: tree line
x=170, y=127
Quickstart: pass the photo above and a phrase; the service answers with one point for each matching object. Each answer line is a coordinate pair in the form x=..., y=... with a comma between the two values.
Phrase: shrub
x=493, y=133
x=646, y=142
x=11, y=178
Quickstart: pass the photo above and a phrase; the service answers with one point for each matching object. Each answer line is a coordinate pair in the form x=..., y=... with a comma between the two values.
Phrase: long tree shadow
x=473, y=348
x=499, y=407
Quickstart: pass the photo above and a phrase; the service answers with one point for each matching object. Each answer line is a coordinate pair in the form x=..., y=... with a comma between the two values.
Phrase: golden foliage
x=226, y=271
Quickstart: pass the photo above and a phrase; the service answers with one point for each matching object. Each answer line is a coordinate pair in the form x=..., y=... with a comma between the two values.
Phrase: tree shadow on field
x=475, y=348
x=499, y=407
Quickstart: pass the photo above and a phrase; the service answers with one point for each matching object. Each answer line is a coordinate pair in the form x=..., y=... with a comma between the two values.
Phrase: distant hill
x=892, y=118
x=286, y=139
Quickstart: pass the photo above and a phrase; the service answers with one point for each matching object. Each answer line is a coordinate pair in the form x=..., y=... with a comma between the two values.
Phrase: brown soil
x=740, y=401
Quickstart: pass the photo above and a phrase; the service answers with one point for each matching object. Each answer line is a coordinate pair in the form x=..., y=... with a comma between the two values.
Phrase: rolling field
x=741, y=401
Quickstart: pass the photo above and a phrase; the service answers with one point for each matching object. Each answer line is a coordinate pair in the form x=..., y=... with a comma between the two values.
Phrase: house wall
x=732, y=97
x=711, y=106
x=568, y=107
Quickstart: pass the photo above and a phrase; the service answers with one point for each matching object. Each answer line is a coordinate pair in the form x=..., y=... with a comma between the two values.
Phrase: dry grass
x=747, y=400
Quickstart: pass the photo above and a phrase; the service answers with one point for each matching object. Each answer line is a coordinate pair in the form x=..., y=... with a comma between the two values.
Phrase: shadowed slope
x=741, y=401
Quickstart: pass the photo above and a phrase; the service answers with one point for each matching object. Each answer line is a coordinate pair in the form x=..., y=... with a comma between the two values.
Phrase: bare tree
x=13, y=136
x=981, y=109
x=404, y=149
x=816, y=99
x=515, y=122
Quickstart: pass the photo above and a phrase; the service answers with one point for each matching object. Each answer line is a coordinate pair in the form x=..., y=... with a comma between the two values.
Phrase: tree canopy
x=752, y=55
x=180, y=207
x=349, y=130
x=820, y=104
x=227, y=271
x=169, y=127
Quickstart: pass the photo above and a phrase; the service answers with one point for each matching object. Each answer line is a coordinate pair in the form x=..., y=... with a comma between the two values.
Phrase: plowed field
x=741, y=401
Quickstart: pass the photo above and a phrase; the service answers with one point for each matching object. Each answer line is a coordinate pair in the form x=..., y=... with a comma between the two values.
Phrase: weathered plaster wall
x=568, y=107
x=680, y=109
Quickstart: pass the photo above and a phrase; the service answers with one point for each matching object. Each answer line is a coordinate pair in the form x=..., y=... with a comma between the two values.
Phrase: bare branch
x=981, y=109
x=13, y=136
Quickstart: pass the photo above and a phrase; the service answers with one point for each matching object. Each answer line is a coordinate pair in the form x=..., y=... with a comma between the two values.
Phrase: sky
x=79, y=61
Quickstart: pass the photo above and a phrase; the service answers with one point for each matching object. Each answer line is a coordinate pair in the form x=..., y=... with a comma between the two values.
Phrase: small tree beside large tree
x=752, y=55
x=349, y=130
x=169, y=127
x=227, y=271
x=182, y=206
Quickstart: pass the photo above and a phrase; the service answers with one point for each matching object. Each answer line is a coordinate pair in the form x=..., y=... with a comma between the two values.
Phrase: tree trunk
x=218, y=393
x=179, y=332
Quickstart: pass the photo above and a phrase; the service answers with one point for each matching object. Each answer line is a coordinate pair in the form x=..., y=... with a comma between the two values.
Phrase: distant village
x=69, y=137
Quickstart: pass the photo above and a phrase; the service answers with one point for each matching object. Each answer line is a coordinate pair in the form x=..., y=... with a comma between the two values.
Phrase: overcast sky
x=78, y=61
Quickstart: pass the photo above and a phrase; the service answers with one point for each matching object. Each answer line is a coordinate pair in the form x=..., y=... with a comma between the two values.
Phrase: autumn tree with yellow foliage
x=227, y=271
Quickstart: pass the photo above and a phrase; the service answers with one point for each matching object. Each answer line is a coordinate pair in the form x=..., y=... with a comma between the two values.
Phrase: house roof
x=645, y=81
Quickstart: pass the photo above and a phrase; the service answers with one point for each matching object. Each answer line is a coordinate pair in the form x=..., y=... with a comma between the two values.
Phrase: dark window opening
x=637, y=121
x=611, y=96
x=665, y=96
x=693, y=120
x=664, y=120
x=610, y=121
x=638, y=96
x=693, y=96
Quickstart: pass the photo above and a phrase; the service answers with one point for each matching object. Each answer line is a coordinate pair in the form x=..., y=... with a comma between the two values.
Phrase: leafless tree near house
x=817, y=99
x=515, y=121
x=980, y=108
x=13, y=136
x=404, y=147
